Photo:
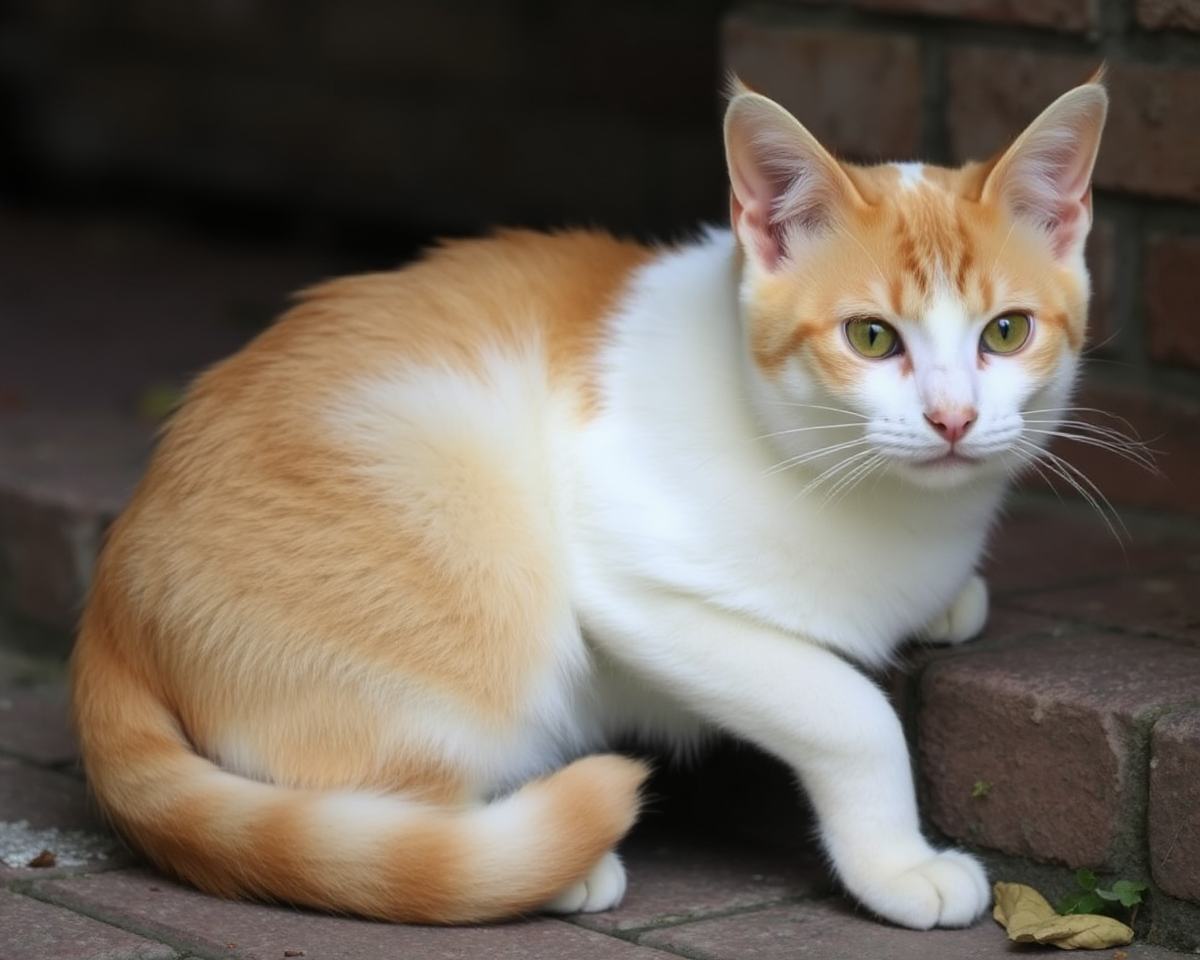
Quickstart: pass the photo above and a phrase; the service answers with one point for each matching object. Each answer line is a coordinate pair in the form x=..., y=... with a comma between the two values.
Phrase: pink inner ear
x=784, y=183
x=1050, y=188
x=1045, y=177
x=754, y=206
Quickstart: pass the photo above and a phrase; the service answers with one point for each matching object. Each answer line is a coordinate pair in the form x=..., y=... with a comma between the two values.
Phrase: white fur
x=714, y=588
x=699, y=568
x=911, y=174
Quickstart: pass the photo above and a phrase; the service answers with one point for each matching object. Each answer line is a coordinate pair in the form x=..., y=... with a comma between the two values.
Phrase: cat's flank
x=403, y=567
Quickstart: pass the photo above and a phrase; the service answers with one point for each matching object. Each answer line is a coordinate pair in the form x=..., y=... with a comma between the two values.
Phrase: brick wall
x=459, y=114
x=952, y=80
x=455, y=114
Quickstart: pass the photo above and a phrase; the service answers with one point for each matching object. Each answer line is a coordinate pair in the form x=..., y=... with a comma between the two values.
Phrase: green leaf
x=1128, y=892
x=1085, y=901
x=1085, y=878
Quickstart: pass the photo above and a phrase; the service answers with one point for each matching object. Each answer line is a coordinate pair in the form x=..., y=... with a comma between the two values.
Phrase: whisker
x=1081, y=483
x=846, y=231
x=803, y=458
x=797, y=405
x=1095, y=411
x=1007, y=237
x=853, y=478
x=1141, y=458
x=832, y=471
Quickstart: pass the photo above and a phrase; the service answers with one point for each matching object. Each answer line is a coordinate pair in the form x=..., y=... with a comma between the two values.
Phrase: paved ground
x=1069, y=733
x=689, y=895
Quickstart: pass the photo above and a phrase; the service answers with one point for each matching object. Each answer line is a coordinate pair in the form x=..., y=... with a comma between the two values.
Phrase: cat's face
x=910, y=320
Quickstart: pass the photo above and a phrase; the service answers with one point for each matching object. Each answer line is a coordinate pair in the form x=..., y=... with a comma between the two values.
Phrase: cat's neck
x=683, y=486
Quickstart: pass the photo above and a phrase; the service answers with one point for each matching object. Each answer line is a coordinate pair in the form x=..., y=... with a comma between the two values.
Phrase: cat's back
x=478, y=344
x=514, y=294
x=388, y=433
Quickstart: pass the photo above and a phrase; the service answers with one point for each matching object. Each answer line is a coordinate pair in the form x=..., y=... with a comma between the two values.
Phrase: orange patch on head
x=888, y=257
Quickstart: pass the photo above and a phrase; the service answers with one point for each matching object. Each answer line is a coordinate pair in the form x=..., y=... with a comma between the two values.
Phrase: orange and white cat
x=402, y=567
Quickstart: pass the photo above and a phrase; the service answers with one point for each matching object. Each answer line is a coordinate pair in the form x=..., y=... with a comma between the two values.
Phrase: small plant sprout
x=1093, y=898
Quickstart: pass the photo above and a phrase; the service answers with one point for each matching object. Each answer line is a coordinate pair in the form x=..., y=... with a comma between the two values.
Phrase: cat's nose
x=952, y=425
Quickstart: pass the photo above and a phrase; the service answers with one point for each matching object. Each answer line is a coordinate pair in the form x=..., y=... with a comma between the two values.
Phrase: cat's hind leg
x=602, y=889
x=965, y=617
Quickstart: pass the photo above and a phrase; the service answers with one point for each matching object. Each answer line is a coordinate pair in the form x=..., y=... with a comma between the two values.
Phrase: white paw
x=966, y=616
x=602, y=889
x=949, y=889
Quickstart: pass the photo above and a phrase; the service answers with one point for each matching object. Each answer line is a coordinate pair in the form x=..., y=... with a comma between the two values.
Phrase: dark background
x=364, y=125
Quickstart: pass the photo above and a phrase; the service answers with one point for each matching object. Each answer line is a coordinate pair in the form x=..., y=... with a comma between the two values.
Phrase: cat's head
x=909, y=319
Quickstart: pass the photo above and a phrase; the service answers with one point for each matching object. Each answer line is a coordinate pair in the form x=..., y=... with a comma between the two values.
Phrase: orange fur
x=887, y=260
x=196, y=627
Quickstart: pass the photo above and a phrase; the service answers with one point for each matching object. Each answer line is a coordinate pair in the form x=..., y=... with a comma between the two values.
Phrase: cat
x=402, y=568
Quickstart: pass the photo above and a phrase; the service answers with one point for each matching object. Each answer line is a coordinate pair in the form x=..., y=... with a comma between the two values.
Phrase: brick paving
x=1067, y=736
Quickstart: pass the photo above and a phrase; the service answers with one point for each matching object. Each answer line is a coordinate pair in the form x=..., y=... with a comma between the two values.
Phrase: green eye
x=872, y=338
x=1006, y=334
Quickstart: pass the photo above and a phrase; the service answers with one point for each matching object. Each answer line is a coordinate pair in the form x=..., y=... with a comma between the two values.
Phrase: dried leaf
x=1029, y=918
x=44, y=859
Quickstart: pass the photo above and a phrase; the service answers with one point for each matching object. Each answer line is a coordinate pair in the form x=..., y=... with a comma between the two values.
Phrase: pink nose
x=952, y=425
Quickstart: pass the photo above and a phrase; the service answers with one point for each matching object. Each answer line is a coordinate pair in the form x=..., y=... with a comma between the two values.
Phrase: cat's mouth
x=951, y=458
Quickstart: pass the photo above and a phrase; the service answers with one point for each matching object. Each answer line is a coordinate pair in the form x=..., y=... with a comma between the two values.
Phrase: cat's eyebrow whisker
x=847, y=232
x=1004, y=244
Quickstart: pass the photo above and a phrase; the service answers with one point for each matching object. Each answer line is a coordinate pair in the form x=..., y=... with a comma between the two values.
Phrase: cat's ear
x=784, y=185
x=1045, y=177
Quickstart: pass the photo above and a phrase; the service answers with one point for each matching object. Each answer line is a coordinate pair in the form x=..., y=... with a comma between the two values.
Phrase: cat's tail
x=367, y=854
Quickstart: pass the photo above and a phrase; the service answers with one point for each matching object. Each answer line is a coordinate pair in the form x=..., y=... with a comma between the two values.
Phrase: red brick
x=1035, y=548
x=1169, y=14
x=1174, y=828
x=43, y=798
x=1171, y=289
x=48, y=551
x=675, y=878
x=1052, y=728
x=1073, y=16
x=1152, y=140
x=1168, y=425
x=1103, y=326
x=1164, y=602
x=666, y=71
x=34, y=726
x=33, y=930
x=206, y=924
x=860, y=94
x=830, y=929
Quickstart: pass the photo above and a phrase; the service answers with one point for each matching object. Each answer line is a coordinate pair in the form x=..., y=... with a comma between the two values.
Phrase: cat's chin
x=947, y=472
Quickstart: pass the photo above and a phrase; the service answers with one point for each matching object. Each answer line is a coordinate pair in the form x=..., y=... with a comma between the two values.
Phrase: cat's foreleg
x=834, y=726
x=965, y=617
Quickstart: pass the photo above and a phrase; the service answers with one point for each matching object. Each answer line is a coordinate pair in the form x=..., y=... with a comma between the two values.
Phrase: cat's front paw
x=949, y=889
x=601, y=889
x=966, y=616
